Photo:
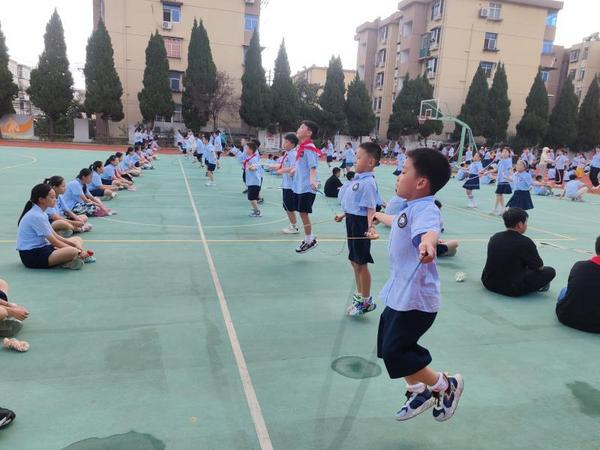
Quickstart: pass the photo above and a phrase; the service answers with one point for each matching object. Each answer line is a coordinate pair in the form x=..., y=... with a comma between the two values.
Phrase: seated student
x=38, y=245
x=128, y=164
x=9, y=310
x=514, y=266
x=110, y=176
x=575, y=189
x=579, y=303
x=80, y=201
x=120, y=172
x=96, y=187
x=541, y=188
x=63, y=220
x=333, y=184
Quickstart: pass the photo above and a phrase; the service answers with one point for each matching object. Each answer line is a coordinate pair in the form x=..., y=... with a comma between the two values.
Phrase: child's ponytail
x=38, y=191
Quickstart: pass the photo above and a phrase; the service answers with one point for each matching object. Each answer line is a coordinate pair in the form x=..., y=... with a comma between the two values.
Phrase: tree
x=332, y=98
x=474, y=112
x=498, y=108
x=199, y=80
x=532, y=127
x=223, y=100
x=308, y=94
x=562, y=129
x=51, y=81
x=102, y=84
x=8, y=89
x=588, y=123
x=155, y=97
x=361, y=119
x=285, y=96
x=423, y=91
x=257, y=102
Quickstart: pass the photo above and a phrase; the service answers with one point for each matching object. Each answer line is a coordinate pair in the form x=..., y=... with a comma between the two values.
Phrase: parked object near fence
x=16, y=126
x=81, y=130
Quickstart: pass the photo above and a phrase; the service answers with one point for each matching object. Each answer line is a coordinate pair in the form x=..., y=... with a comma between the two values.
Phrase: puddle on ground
x=587, y=396
x=355, y=367
x=128, y=441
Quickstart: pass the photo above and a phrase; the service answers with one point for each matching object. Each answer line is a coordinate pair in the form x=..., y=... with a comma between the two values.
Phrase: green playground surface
x=201, y=328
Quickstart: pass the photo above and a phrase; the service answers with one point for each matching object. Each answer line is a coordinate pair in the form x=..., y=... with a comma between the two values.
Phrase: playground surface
x=201, y=328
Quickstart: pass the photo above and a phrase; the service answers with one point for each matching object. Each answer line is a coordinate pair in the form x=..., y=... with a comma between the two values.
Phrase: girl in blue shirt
x=111, y=176
x=522, y=185
x=63, y=220
x=504, y=171
x=96, y=187
x=472, y=183
x=38, y=245
x=79, y=200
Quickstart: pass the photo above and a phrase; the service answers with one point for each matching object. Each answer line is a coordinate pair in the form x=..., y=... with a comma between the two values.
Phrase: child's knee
x=3, y=313
x=3, y=286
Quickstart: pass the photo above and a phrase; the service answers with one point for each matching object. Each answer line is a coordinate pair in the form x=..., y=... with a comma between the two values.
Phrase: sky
x=313, y=32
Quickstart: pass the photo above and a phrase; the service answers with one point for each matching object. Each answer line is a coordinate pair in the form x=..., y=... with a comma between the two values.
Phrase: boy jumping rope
x=412, y=292
x=359, y=201
x=288, y=161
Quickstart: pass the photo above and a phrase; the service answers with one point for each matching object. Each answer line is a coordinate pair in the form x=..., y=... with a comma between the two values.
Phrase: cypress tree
x=588, y=123
x=562, y=129
x=199, y=80
x=534, y=123
x=8, y=89
x=332, y=99
x=474, y=112
x=403, y=120
x=102, y=84
x=308, y=94
x=257, y=102
x=51, y=81
x=361, y=119
x=155, y=98
x=498, y=107
x=286, y=102
x=424, y=91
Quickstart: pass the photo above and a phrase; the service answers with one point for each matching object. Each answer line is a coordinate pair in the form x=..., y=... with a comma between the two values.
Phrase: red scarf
x=247, y=160
x=307, y=145
x=596, y=260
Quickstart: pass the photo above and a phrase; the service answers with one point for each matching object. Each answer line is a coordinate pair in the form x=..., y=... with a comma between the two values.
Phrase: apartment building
x=582, y=63
x=21, y=76
x=447, y=40
x=229, y=23
x=318, y=75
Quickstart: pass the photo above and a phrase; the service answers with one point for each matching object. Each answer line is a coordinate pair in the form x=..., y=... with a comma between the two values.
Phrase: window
x=545, y=75
x=171, y=13
x=381, y=56
x=175, y=81
x=377, y=124
x=490, y=42
x=431, y=67
x=436, y=9
x=494, y=11
x=407, y=29
x=573, y=56
x=383, y=34
x=585, y=54
x=581, y=74
x=551, y=18
x=488, y=68
x=572, y=73
x=434, y=39
x=548, y=47
x=173, y=47
x=404, y=54
x=425, y=41
x=379, y=80
x=177, y=116
x=377, y=102
x=251, y=23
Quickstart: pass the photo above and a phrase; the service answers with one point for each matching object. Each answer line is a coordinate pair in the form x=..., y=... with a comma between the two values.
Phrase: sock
x=416, y=388
x=441, y=385
x=366, y=300
x=309, y=238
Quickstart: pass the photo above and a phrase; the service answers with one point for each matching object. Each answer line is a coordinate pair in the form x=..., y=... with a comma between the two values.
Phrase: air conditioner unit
x=167, y=25
x=484, y=12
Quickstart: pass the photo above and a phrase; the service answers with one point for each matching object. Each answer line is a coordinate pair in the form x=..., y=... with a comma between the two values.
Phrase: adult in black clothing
x=333, y=184
x=513, y=265
x=579, y=303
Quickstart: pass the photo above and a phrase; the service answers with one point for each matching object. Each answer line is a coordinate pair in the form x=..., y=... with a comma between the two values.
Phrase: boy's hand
x=314, y=185
x=339, y=217
x=372, y=234
x=426, y=252
x=293, y=171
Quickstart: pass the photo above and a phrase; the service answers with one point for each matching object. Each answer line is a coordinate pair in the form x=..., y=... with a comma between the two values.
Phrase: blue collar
x=429, y=199
x=364, y=175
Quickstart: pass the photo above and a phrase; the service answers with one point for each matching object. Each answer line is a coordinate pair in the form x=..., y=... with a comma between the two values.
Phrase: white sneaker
x=291, y=229
x=209, y=183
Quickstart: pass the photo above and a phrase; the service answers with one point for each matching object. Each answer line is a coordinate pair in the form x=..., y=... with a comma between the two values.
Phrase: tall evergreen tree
x=359, y=111
x=257, y=101
x=534, y=123
x=309, y=100
x=156, y=98
x=424, y=91
x=332, y=99
x=498, y=107
x=51, y=81
x=199, y=80
x=474, y=112
x=286, y=102
x=8, y=89
x=562, y=129
x=102, y=84
x=403, y=121
x=588, y=123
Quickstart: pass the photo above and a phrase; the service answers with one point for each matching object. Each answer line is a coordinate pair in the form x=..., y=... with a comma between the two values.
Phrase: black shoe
x=6, y=417
x=245, y=192
x=304, y=247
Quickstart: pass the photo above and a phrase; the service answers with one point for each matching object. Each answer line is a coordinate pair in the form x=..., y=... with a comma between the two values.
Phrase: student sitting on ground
x=8, y=309
x=63, y=221
x=579, y=303
x=110, y=177
x=514, y=266
x=38, y=245
x=79, y=200
x=575, y=189
x=333, y=184
x=96, y=187
x=541, y=188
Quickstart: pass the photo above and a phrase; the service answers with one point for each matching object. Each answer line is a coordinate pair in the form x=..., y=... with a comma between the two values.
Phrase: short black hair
x=312, y=126
x=336, y=170
x=539, y=178
x=432, y=165
x=598, y=245
x=572, y=176
x=252, y=145
x=350, y=176
x=291, y=137
x=372, y=149
x=513, y=216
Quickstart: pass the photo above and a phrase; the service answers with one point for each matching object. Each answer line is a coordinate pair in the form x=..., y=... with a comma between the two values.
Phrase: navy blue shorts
x=304, y=202
x=36, y=258
x=253, y=193
x=329, y=159
x=503, y=188
x=107, y=182
x=288, y=200
x=211, y=167
x=3, y=295
x=97, y=192
x=397, y=341
x=359, y=249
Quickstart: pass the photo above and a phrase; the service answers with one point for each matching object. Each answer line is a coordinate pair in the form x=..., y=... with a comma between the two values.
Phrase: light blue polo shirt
x=33, y=230
x=360, y=195
x=469, y=155
x=522, y=181
x=209, y=154
x=60, y=206
x=109, y=172
x=349, y=156
x=200, y=146
x=475, y=168
x=254, y=177
x=504, y=170
x=596, y=161
x=289, y=161
x=572, y=187
x=422, y=292
x=400, y=162
x=96, y=181
x=330, y=150
x=395, y=205
x=73, y=193
x=301, y=180
x=561, y=162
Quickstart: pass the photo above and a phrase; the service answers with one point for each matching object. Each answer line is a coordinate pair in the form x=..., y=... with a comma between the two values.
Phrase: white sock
x=441, y=385
x=366, y=299
x=309, y=238
x=416, y=388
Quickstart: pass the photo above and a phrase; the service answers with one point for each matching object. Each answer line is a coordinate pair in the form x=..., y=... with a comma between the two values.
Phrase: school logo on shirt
x=355, y=187
x=402, y=220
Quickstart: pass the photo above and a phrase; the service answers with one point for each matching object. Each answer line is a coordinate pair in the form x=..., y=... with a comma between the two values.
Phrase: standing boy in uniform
x=288, y=161
x=412, y=292
x=253, y=172
x=210, y=156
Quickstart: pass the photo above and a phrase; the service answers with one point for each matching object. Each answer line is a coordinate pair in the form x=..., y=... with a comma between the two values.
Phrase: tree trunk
x=50, y=128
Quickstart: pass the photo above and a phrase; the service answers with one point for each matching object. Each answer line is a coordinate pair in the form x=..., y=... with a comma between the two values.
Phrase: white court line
x=259, y=421
x=32, y=160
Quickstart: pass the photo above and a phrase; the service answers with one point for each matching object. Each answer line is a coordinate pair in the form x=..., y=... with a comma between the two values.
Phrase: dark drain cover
x=355, y=367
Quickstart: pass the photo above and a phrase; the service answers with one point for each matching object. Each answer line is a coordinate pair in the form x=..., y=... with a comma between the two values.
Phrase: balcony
x=424, y=53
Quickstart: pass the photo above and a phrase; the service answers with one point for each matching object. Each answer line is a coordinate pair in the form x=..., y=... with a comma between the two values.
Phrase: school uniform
x=349, y=158
x=487, y=159
x=360, y=196
x=412, y=301
x=288, y=161
x=521, y=197
x=32, y=243
x=218, y=145
x=560, y=165
x=574, y=188
x=108, y=175
x=395, y=205
x=472, y=182
x=210, y=157
x=400, y=164
x=253, y=177
x=502, y=180
x=307, y=158
x=330, y=153
x=468, y=156
x=94, y=186
x=595, y=170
